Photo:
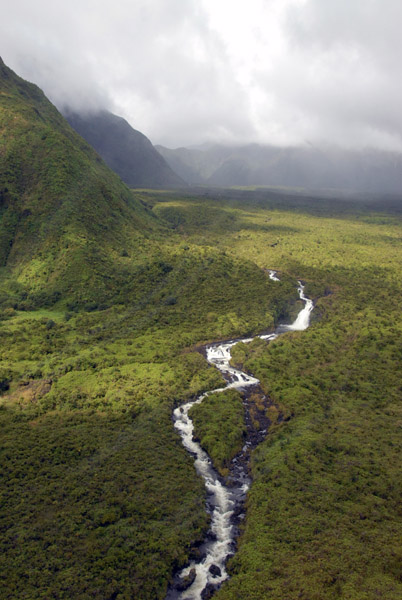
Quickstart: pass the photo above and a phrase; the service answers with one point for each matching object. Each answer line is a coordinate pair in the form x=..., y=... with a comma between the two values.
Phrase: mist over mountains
x=140, y=164
x=132, y=156
x=306, y=167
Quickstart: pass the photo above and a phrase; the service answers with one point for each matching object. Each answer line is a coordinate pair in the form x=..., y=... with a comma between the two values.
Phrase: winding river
x=223, y=501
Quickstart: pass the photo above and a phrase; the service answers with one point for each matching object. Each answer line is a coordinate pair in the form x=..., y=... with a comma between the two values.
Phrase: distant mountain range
x=140, y=164
x=299, y=167
x=125, y=150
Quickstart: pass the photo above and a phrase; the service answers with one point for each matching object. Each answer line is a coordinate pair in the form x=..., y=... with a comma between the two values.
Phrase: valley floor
x=100, y=499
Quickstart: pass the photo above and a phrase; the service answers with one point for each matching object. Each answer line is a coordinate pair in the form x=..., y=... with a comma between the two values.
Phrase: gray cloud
x=188, y=71
x=341, y=70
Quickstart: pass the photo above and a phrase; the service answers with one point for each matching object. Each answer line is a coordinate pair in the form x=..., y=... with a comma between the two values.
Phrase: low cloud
x=190, y=71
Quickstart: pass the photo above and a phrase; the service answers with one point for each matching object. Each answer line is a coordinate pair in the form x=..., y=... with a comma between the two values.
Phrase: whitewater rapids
x=222, y=500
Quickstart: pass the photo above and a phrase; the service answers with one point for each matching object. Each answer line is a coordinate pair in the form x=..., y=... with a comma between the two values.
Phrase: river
x=223, y=501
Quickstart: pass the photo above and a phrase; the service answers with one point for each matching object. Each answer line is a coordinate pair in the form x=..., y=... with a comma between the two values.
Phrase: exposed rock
x=29, y=391
x=215, y=571
x=208, y=591
x=186, y=581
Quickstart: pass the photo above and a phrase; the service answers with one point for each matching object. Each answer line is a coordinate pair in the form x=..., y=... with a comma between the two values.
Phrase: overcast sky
x=190, y=71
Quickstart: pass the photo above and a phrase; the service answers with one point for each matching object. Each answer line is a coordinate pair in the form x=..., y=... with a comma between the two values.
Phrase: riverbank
x=226, y=495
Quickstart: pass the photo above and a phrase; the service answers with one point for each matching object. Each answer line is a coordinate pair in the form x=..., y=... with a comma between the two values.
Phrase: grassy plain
x=107, y=500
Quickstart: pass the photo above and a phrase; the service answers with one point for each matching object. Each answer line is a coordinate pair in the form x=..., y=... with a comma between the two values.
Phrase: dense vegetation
x=67, y=221
x=105, y=296
x=219, y=423
x=88, y=440
x=322, y=516
x=323, y=513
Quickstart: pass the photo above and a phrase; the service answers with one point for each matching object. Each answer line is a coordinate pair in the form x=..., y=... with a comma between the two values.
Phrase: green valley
x=106, y=295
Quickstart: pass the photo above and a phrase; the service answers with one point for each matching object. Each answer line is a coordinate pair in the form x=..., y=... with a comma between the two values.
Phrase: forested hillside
x=65, y=217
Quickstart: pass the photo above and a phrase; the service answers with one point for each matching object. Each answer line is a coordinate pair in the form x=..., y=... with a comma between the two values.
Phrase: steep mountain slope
x=127, y=151
x=307, y=167
x=65, y=217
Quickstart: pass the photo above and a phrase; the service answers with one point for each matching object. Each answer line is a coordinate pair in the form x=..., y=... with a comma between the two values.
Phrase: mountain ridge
x=124, y=149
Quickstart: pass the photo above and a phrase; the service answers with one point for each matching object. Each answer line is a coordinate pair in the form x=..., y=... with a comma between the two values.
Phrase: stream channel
x=225, y=499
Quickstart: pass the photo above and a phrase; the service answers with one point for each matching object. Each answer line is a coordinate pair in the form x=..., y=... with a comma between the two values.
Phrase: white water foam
x=303, y=318
x=272, y=275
